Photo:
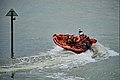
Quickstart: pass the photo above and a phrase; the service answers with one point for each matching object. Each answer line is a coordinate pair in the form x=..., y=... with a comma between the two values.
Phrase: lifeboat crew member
x=88, y=45
x=82, y=36
x=84, y=46
x=66, y=38
x=78, y=44
x=72, y=40
x=77, y=39
x=69, y=41
x=80, y=32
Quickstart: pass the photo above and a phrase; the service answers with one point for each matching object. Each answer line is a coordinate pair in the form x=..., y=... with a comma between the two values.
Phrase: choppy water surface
x=38, y=58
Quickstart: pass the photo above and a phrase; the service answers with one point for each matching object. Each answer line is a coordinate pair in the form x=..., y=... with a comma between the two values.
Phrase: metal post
x=12, y=53
x=12, y=13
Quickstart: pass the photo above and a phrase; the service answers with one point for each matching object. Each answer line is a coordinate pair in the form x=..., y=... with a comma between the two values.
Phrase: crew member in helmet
x=80, y=32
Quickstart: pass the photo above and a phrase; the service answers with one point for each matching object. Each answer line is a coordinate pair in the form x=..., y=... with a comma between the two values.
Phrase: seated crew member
x=77, y=39
x=84, y=46
x=66, y=38
x=69, y=41
x=72, y=42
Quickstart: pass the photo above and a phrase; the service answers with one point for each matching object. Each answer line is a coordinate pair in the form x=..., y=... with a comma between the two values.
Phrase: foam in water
x=62, y=76
x=59, y=58
x=112, y=53
x=101, y=52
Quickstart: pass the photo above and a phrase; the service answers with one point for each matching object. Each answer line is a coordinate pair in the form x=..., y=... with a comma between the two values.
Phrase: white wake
x=59, y=58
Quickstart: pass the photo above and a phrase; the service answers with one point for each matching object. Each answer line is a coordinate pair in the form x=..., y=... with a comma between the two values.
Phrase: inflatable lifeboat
x=77, y=44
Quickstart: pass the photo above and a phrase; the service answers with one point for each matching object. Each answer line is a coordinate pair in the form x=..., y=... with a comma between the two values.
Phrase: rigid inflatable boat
x=77, y=44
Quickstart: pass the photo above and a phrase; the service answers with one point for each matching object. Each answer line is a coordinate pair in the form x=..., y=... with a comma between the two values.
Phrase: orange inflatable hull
x=59, y=39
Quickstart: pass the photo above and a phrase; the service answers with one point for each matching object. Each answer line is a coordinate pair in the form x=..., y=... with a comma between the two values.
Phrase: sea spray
x=101, y=52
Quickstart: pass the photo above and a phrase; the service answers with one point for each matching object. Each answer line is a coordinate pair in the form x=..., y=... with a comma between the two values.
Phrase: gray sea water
x=38, y=58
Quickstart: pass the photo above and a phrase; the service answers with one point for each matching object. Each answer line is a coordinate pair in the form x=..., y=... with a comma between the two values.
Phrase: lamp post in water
x=12, y=13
